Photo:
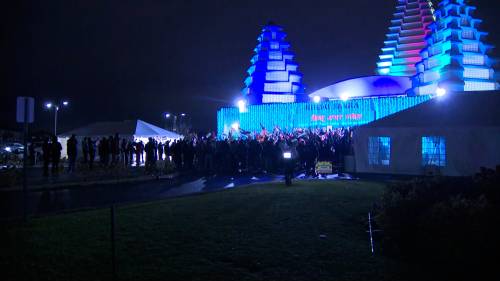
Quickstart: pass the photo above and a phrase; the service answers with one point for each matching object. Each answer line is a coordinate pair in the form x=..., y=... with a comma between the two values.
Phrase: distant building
x=274, y=75
x=406, y=38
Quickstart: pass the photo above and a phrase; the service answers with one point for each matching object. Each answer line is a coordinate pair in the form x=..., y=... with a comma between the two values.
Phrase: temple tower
x=456, y=57
x=406, y=38
x=273, y=76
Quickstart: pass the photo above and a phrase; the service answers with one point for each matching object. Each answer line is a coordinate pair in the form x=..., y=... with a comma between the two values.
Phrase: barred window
x=434, y=151
x=379, y=151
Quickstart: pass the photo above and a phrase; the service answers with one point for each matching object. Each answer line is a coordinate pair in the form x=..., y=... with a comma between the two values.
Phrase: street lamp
x=56, y=107
x=174, y=116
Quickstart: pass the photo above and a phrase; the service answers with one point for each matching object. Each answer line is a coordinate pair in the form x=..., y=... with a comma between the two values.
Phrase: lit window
x=474, y=59
x=275, y=55
x=433, y=151
x=471, y=47
x=480, y=73
x=278, y=87
x=379, y=150
x=468, y=34
x=295, y=78
x=277, y=76
x=479, y=86
x=276, y=65
x=278, y=98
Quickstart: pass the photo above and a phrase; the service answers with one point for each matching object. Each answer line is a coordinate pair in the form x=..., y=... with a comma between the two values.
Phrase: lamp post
x=174, y=116
x=56, y=107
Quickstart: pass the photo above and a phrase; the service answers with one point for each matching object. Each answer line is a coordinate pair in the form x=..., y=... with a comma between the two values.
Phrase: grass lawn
x=260, y=232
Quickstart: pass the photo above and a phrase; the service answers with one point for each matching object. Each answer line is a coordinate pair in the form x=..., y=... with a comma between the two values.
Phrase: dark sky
x=116, y=60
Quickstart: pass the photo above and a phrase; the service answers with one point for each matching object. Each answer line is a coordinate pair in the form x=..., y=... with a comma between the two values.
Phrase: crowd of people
x=253, y=152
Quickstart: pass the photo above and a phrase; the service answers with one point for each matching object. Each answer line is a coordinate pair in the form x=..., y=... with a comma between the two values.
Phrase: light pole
x=174, y=116
x=56, y=106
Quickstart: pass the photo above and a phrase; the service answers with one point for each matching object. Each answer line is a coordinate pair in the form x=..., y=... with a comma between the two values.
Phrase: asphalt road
x=102, y=195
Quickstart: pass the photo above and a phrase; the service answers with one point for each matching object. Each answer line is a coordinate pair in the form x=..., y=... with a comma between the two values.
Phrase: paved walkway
x=42, y=202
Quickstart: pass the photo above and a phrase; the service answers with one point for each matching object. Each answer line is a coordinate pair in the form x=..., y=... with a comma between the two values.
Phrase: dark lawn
x=260, y=232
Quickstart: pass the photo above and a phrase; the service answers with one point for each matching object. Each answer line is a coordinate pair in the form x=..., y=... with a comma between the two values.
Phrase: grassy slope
x=263, y=232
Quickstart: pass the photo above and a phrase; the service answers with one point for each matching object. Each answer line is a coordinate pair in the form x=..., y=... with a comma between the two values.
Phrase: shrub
x=448, y=224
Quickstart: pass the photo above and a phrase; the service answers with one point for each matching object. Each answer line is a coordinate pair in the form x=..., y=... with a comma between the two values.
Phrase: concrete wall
x=467, y=149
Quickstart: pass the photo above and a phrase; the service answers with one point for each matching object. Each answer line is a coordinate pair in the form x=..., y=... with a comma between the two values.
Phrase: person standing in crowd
x=160, y=151
x=71, y=147
x=123, y=152
x=46, y=148
x=138, y=153
x=85, y=150
x=166, y=149
x=115, y=149
x=150, y=153
x=130, y=152
x=55, y=152
x=91, y=148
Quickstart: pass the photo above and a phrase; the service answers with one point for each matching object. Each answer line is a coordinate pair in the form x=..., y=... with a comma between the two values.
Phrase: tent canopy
x=471, y=109
x=137, y=128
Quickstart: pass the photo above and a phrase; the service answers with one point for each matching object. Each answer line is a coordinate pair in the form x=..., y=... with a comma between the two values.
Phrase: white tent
x=136, y=130
x=452, y=135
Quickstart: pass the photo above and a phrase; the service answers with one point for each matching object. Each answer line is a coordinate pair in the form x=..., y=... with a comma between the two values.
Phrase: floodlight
x=344, y=96
x=235, y=126
x=287, y=155
x=65, y=103
x=48, y=105
x=440, y=92
x=316, y=99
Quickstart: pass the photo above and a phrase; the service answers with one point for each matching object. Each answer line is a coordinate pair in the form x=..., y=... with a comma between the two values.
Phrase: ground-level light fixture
x=235, y=126
x=440, y=92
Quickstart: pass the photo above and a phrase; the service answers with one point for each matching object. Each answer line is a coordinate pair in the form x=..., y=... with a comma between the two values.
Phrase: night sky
x=117, y=60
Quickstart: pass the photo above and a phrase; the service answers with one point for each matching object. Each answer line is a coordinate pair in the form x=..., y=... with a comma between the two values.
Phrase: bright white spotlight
x=183, y=114
x=167, y=115
x=344, y=96
x=65, y=103
x=316, y=99
x=235, y=126
x=287, y=155
x=48, y=105
x=241, y=105
x=440, y=92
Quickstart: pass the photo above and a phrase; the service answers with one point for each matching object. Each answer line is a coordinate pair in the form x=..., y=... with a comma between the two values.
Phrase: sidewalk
x=36, y=181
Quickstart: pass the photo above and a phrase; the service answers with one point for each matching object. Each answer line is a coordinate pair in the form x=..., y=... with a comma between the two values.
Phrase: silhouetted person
x=71, y=147
x=85, y=150
x=46, y=148
x=149, y=148
x=92, y=148
x=124, y=152
x=160, y=151
x=55, y=153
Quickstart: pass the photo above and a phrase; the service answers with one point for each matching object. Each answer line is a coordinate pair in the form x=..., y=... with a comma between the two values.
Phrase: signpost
x=25, y=114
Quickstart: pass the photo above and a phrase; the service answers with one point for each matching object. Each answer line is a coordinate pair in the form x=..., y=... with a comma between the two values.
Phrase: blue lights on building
x=456, y=56
x=273, y=76
x=328, y=114
x=427, y=53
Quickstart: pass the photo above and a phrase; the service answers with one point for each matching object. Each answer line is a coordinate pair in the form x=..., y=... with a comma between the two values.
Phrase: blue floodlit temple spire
x=406, y=38
x=456, y=57
x=273, y=76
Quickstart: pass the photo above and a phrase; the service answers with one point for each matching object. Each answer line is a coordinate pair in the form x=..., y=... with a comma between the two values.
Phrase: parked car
x=13, y=147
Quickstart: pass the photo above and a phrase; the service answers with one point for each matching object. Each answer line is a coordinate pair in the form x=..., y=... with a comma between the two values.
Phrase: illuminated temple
x=273, y=75
x=456, y=57
x=426, y=53
x=406, y=38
